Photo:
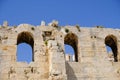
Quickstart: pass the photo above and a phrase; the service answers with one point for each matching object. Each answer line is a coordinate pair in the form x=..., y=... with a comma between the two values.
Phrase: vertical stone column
x=57, y=62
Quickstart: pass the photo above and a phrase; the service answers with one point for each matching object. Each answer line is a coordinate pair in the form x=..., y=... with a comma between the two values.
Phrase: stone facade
x=50, y=62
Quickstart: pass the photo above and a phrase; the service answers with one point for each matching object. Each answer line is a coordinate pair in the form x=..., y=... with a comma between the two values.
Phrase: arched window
x=71, y=40
x=111, y=41
x=25, y=45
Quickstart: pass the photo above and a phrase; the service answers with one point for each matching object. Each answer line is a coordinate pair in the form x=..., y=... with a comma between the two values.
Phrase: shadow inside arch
x=70, y=72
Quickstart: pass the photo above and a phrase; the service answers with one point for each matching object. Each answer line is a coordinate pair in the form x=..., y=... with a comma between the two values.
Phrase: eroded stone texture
x=91, y=60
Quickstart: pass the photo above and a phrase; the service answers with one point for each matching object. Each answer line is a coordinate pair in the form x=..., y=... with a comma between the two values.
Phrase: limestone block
x=8, y=49
x=88, y=53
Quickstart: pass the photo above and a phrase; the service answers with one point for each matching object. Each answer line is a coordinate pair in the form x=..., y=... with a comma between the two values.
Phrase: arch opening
x=69, y=56
x=24, y=52
x=111, y=41
x=25, y=47
x=72, y=40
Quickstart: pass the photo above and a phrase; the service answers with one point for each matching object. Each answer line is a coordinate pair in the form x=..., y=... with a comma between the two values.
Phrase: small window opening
x=46, y=35
x=111, y=43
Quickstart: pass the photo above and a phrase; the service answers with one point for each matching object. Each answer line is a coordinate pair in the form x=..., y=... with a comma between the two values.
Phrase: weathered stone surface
x=91, y=60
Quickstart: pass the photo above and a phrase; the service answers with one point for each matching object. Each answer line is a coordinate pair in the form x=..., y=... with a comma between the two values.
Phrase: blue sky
x=86, y=13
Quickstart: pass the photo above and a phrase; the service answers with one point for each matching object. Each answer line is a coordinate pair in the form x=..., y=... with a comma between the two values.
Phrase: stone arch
x=111, y=41
x=26, y=37
x=72, y=40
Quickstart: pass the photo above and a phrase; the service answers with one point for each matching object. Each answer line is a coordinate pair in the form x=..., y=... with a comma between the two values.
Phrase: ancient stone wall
x=91, y=60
